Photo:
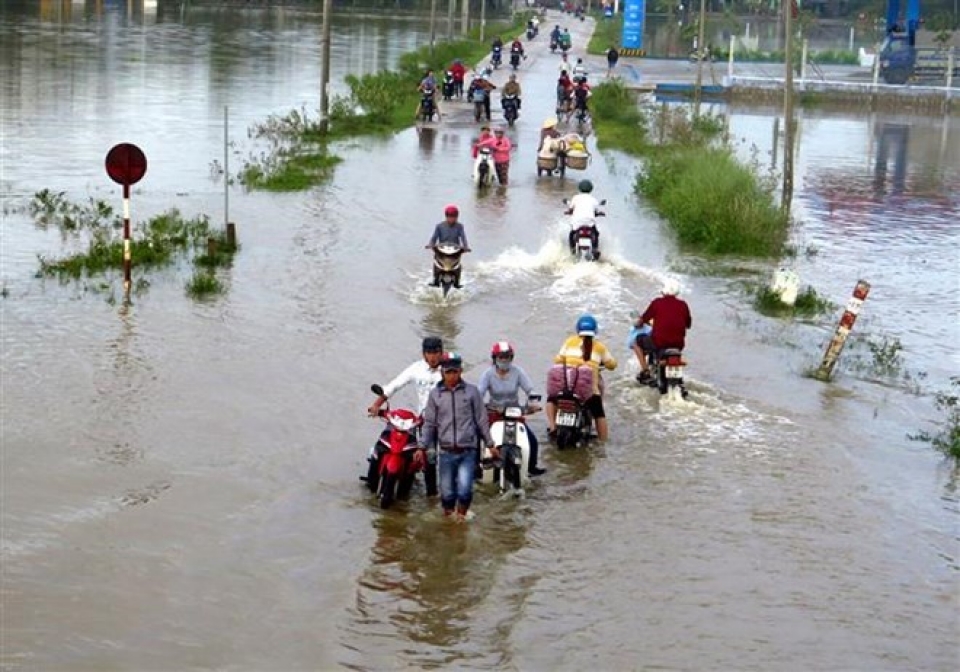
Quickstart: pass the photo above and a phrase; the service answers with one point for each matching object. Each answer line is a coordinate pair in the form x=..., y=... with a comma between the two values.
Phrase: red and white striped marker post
x=843, y=330
x=126, y=165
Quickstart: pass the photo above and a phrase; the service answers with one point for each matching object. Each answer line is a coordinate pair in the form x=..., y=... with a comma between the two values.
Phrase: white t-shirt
x=424, y=378
x=584, y=208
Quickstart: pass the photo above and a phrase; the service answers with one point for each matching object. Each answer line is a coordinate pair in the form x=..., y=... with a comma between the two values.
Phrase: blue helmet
x=587, y=325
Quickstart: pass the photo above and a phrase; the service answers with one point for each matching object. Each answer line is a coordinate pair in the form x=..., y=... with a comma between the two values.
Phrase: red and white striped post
x=843, y=330
x=126, y=165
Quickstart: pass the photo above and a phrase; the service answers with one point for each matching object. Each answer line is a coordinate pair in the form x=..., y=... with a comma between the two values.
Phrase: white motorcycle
x=483, y=169
x=509, y=432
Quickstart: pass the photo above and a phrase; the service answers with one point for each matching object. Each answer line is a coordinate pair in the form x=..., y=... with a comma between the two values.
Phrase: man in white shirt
x=583, y=209
x=425, y=374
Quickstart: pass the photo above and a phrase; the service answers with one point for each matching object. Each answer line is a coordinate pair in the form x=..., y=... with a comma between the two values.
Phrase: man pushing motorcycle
x=424, y=374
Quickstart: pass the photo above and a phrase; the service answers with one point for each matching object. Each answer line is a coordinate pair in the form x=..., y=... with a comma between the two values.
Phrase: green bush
x=714, y=203
x=617, y=119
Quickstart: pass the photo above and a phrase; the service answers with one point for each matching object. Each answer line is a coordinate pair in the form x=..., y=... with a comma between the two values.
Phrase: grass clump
x=296, y=157
x=617, y=119
x=203, y=284
x=947, y=438
x=713, y=202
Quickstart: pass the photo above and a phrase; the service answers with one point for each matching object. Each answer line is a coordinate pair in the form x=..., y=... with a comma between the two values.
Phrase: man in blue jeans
x=456, y=419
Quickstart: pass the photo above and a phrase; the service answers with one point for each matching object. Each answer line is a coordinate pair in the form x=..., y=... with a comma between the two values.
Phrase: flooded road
x=179, y=478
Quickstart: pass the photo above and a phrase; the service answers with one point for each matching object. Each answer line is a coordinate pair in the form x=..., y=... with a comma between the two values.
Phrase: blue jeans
x=456, y=478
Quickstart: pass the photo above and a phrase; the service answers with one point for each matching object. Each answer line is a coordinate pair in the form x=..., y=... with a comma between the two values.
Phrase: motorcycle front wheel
x=388, y=490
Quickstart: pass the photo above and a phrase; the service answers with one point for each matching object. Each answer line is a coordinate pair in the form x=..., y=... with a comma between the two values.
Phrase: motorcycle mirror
x=377, y=390
x=534, y=397
x=566, y=202
x=603, y=202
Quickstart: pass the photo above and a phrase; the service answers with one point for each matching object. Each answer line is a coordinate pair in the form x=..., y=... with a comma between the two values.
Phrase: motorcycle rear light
x=567, y=406
x=674, y=361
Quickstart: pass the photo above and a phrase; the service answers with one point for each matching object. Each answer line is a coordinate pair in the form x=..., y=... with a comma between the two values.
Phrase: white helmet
x=670, y=287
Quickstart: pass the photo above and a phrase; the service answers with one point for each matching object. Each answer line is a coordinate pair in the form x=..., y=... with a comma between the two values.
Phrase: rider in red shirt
x=670, y=317
x=459, y=72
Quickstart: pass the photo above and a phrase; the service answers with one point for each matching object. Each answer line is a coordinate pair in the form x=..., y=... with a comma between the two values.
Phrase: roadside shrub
x=617, y=119
x=714, y=203
x=947, y=438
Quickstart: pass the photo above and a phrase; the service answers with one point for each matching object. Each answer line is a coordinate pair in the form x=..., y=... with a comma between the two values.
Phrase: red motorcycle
x=394, y=461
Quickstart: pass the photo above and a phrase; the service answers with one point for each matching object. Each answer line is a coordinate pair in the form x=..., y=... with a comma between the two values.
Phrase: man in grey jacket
x=455, y=417
x=449, y=231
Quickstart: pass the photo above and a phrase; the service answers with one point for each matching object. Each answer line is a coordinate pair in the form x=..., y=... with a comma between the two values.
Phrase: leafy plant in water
x=947, y=438
x=49, y=208
x=203, y=284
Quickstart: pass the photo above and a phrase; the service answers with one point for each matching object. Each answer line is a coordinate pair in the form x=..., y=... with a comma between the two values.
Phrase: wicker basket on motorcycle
x=577, y=160
x=547, y=162
x=578, y=379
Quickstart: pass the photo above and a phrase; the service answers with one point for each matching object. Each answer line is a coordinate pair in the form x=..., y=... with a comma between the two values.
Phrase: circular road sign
x=126, y=164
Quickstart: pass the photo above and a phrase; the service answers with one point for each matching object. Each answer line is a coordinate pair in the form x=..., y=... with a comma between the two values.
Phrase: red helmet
x=451, y=210
x=501, y=349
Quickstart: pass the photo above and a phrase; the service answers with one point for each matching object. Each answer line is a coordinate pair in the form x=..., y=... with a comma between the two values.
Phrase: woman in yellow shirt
x=584, y=348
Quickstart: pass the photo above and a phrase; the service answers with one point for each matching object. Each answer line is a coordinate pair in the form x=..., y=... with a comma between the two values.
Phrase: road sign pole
x=126, y=164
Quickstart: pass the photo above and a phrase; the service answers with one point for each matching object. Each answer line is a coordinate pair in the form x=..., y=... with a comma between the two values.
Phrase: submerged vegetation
x=946, y=438
x=158, y=242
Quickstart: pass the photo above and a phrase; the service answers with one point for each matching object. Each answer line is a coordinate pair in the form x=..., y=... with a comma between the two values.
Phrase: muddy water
x=179, y=478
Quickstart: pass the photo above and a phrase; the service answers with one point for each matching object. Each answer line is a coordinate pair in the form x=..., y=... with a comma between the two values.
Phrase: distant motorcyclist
x=581, y=94
x=428, y=87
x=555, y=34
x=449, y=231
x=583, y=210
x=579, y=70
x=517, y=47
x=459, y=72
x=511, y=88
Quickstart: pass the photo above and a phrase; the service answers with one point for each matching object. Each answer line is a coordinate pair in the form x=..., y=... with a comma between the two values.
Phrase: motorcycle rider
x=428, y=86
x=581, y=93
x=496, y=50
x=516, y=47
x=459, y=72
x=670, y=317
x=583, y=210
x=425, y=374
x=579, y=71
x=503, y=382
x=511, y=88
x=579, y=349
x=486, y=139
x=501, y=155
x=451, y=231
x=479, y=91
x=565, y=64
x=555, y=35
x=455, y=419
x=564, y=93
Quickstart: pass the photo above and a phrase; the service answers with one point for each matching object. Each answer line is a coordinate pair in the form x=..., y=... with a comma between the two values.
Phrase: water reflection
x=426, y=590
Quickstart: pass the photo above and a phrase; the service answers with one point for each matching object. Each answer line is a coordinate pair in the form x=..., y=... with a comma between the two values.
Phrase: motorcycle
x=427, y=109
x=496, y=57
x=584, y=240
x=666, y=367
x=446, y=258
x=531, y=32
x=510, y=434
x=565, y=43
x=573, y=421
x=515, y=57
x=510, y=109
x=393, y=466
x=483, y=168
x=553, y=45
x=448, y=89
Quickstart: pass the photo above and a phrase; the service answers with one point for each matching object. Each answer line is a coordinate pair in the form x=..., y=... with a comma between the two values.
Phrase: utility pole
x=786, y=195
x=464, y=17
x=433, y=25
x=483, y=19
x=698, y=91
x=451, y=11
x=325, y=68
